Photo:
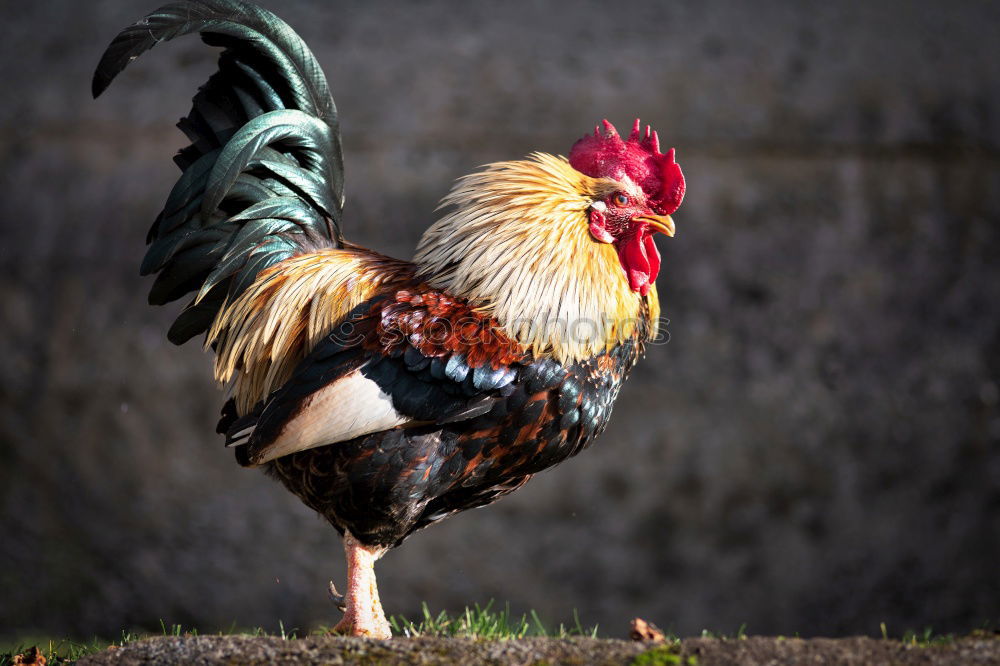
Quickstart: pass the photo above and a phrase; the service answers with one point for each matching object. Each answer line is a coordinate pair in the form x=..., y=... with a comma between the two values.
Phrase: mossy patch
x=664, y=655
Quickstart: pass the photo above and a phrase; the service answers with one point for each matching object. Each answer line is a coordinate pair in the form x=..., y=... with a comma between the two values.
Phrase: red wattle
x=632, y=254
x=653, y=255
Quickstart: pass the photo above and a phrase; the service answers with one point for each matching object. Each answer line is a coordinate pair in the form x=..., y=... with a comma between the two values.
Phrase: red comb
x=606, y=155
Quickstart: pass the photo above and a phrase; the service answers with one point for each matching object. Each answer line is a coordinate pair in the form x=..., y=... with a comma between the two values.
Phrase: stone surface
x=814, y=451
x=213, y=650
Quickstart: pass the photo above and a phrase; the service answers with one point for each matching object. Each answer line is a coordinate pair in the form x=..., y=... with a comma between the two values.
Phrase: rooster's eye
x=620, y=199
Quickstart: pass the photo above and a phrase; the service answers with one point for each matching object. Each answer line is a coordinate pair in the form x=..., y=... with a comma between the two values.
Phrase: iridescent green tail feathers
x=263, y=178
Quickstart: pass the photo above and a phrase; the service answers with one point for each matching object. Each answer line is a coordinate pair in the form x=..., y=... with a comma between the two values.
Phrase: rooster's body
x=390, y=394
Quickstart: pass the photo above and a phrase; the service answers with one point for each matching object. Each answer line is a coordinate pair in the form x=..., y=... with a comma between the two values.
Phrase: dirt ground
x=205, y=650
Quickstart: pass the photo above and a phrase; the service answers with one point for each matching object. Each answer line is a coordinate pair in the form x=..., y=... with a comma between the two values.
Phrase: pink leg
x=364, y=615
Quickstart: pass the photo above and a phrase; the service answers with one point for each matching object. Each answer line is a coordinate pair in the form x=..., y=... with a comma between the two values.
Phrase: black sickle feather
x=244, y=24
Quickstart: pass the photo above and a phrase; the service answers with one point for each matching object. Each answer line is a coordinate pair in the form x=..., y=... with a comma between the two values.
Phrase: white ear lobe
x=599, y=206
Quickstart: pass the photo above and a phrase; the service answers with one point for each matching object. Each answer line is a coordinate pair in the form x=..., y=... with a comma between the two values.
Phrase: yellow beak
x=661, y=223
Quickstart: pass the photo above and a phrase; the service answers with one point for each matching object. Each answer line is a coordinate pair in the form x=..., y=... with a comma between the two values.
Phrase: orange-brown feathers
x=438, y=325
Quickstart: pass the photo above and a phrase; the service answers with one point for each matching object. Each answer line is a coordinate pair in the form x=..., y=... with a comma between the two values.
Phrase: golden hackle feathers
x=261, y=336
x=516, y=244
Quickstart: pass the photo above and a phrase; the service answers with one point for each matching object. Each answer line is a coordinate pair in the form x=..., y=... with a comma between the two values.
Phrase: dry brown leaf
x=646, y=631
x=30, y=656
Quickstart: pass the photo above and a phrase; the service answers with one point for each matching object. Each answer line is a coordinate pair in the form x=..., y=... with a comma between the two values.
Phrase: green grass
x=924, y=638
x=483, y=622
x=479, y=622
x=740, y=634
x=60, y=650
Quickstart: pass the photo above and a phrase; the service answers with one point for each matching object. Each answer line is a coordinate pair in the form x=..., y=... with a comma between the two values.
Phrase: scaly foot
x=371, y=626
x=363, y=614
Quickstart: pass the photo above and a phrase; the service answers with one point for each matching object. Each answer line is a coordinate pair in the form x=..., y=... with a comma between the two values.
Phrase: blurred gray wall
x=816, y=450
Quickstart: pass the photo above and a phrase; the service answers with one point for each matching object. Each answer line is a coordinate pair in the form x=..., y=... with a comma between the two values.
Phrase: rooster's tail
x=263, y=176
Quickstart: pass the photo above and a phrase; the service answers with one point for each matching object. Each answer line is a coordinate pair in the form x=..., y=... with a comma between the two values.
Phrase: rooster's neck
x=517, y=246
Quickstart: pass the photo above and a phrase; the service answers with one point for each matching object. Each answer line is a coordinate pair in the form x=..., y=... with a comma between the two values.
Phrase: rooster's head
x=640, y=188
x=560, y=252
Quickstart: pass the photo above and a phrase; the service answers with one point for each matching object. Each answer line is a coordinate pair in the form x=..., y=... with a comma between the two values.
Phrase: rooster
x=389, y=394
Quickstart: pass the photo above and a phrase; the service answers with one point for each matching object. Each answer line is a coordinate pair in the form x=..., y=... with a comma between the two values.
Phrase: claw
x=336, y=597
